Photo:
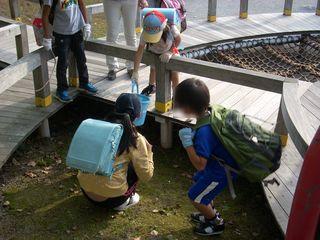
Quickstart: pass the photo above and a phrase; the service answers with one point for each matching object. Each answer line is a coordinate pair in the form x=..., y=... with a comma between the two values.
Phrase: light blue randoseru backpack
x=94, y=147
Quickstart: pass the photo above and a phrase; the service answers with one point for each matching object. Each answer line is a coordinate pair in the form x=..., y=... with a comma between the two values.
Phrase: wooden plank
x=280, y=215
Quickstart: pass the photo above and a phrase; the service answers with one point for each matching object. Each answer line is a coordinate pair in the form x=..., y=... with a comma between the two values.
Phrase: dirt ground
x=40, y=197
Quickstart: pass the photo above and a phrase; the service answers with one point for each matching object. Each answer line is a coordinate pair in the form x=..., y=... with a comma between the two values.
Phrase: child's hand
x=186, y=135
x=135, y=76
x=165, y=57
x=87, y=31
x=143, y=4
x=47, y=44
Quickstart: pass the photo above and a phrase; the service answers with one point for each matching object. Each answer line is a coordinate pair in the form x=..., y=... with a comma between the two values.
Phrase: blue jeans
x=63, y=45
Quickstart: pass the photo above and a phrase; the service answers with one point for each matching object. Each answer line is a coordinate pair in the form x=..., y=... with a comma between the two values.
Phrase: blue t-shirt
x=206, y=144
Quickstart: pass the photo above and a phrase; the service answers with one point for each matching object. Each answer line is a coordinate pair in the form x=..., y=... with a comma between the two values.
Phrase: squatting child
x=193, y=98
x=161, y=38
x=134, y=161
x=70, y=27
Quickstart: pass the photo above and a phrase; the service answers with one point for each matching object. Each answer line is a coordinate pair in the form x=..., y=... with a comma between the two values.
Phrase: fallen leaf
x=155, y=210
x=255, y=234
x=45, y=172
x=101, y=233
x=47, y=168
x=68, y=231
x=71, y=190
x=76, y=192
x=6, y=204
x=15, y=162
x=32, y=164
x=154, y=233
x=136, y=238
x=19, y=210
x=31, y=174
x=59, y=161
x=187, y=175
x=175, y=165
x=74, y=228
x=61, y=186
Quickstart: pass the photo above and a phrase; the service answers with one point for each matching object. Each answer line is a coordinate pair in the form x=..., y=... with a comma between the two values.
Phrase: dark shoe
x=63, y=96
x=111, y=75
x=209, y=228
x=199, y=218
x=88, y=88
x=150, y=89
x=130, y=72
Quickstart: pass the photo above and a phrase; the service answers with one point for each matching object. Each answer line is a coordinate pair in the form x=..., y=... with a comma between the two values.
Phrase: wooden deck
x=19, y=117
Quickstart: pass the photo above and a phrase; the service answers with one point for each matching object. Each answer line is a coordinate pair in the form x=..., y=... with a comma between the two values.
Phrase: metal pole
x=287, y=10
x=212, y=10
x=243, y=9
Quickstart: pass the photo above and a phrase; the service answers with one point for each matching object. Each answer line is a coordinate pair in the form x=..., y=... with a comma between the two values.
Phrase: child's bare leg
x=174, y=76
x=207, y=210
x=152, y=77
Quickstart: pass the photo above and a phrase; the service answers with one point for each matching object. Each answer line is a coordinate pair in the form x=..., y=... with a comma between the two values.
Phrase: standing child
x=160, y=38
x=193, y=98
x=134, y=162
x=70, y=26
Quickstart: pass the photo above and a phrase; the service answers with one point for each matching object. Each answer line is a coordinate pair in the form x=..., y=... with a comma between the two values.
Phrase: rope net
x=288, y=56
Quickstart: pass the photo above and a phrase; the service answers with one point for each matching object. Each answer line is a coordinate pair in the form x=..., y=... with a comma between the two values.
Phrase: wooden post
x=163, y=95
x=138, y=21
x=14, y=9
x=165, y=132
x=287, y=10
x=44, y=129
x=318, y=8
x=43, y=96
x=281, y=127
x=212, y=10
x=22, y=44
x=243, y=9
x=73, y=71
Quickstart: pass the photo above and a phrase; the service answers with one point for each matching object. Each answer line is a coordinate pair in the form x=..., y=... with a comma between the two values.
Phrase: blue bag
x=94, y=147
x=144, y=101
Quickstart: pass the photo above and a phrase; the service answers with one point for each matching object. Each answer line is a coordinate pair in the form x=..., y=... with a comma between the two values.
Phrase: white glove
x=87, y=31
x=143, y=4
x=135, y=76
x=165, y=57
x=47, y=44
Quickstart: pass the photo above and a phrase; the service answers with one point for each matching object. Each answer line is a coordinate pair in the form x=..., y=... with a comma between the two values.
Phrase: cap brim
x=151, y=38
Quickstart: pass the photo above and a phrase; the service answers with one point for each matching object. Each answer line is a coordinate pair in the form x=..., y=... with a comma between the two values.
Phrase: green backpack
x=256, y=150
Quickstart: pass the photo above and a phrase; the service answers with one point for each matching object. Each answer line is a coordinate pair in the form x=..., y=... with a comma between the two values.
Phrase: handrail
x=294, y=117
x=249, y=78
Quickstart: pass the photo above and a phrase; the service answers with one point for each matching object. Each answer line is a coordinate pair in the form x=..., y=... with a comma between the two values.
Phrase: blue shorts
x=206, y=187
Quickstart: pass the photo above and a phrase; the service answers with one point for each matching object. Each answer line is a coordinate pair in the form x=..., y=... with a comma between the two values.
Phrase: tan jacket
x=116, y=185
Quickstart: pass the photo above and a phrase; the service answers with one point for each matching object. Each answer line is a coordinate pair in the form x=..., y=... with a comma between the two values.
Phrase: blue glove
x=186, y=135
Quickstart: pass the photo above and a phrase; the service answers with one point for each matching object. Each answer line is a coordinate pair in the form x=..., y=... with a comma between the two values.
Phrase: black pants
x=110, y=203
x=63, y=45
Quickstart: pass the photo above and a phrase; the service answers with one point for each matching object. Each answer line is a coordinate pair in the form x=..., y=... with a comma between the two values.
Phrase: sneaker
x=130, y=72
x=111, y=75
x=63, y=96
x=199, y=218
x=133, y=200
x=89, y=88
x=150, y=89
x=209, y=228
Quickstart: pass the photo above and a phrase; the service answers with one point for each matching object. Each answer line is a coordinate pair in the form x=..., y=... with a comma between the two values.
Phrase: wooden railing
x=243, y=9
x=36, y=62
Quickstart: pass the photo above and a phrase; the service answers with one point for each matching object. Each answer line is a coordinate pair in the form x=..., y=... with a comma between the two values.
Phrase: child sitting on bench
x=193, y=98
x=160, y=38
x=134, y=162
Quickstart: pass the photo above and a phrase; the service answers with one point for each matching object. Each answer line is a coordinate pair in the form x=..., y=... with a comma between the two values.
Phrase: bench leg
x=165, y=132
x=281, y=128
x=44, y=129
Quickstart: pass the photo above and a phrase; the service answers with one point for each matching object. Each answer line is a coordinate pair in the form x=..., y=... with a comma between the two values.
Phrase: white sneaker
x=133, y=200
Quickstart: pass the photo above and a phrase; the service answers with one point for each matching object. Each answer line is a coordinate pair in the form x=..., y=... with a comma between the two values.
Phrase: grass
x=50, y=205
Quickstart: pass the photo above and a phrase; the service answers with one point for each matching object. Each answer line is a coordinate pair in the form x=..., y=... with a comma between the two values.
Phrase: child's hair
x=41, y=2
x=194, y=94
x=130, y=134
